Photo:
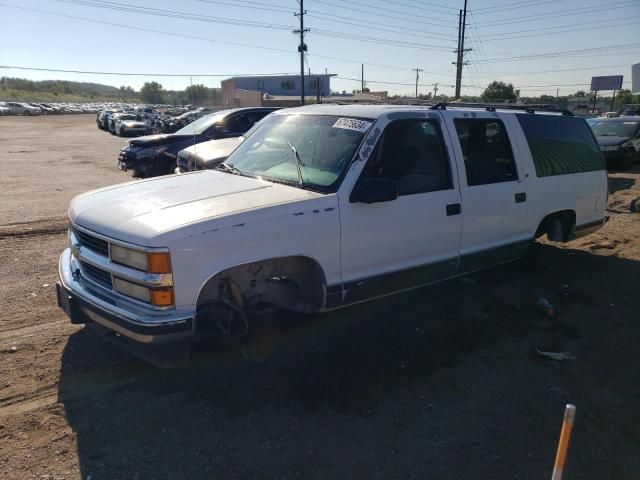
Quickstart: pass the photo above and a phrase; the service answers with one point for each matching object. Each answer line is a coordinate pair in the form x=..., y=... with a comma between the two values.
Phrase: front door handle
x=521, y=197
x=454, y=209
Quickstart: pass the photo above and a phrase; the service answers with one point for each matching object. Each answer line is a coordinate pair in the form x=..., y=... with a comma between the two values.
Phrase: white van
x=322, y=207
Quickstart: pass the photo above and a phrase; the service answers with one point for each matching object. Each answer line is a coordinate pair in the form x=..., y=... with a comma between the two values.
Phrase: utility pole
x=459, y=63
x=302, y=48
x=362, y=79
x=417, y=70
x=435, y=89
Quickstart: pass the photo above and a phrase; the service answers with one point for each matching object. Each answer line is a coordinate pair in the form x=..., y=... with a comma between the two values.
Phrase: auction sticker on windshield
x=352, y=124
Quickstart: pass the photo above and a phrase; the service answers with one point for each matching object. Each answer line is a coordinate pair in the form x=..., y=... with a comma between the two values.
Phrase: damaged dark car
x=619, y=140
x=156, y=155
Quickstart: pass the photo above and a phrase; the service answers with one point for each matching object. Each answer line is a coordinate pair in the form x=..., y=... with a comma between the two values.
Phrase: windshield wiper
x=227, y=167
x=299, y=164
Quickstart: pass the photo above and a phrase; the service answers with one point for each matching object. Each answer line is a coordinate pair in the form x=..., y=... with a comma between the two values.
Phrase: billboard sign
x=611, y=82
x=635, y=78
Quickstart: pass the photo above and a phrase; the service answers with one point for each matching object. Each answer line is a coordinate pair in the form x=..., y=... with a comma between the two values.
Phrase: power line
x=504, y=35
x=563, y=70
x=556, y=14
x=420, y=7
x=608, y=48
x=123, y=7
x=524, y=3
x=232, y=21
x=512, y=6
x=376, y=26
x=253, y=5
x=408, y=18
x=139, y=74
x=207, y=39
x=379, y=41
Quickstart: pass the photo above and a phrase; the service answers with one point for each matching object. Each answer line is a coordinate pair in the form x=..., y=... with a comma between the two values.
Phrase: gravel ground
x=440, y=383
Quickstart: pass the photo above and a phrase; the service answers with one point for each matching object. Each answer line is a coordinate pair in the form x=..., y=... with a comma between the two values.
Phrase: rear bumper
x=83, y=305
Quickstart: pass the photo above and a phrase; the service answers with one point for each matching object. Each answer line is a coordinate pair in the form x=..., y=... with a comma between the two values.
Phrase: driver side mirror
x=374, y=190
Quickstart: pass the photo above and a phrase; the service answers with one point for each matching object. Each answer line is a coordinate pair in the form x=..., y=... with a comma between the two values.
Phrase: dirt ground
x=440, y=383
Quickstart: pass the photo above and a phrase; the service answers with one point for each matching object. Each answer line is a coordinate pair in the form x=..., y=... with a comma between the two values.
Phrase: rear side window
x=560, y=145
x=487, y=153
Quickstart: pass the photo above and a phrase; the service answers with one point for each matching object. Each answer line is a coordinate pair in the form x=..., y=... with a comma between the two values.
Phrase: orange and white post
x=563, y=444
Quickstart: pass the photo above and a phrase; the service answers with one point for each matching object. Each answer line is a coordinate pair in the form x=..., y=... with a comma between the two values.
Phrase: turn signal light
x=162, y=297
x=158, y=262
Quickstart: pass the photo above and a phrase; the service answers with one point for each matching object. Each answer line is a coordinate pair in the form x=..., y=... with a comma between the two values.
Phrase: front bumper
x=84, y=304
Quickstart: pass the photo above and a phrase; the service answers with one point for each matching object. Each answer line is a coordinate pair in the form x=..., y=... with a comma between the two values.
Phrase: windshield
x=324, y=145
x=616, y=128
x=128, y=117
x=200, y=125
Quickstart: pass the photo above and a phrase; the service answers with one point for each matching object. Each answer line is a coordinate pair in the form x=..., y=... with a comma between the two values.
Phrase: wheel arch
x=294, y=282
x=568, y=219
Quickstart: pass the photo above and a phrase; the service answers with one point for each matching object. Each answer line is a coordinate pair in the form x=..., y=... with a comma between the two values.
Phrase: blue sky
x=510, y=41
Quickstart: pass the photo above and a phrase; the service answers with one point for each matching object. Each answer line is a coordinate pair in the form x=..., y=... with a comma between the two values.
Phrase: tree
x=623, y=97
x=151, y=92
x=499, y=91
x=580, y=93
x=196, y=94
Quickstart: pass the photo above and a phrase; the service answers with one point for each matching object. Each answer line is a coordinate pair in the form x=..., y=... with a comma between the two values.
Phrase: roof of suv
x=361, y=111
x=375, y=111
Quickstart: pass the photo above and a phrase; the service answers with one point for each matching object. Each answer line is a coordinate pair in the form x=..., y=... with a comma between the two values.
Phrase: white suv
x=322, y=207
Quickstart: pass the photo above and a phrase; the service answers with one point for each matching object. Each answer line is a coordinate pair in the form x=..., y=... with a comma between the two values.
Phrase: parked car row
x=23, y=108
x=212, y=138
x=124, y=123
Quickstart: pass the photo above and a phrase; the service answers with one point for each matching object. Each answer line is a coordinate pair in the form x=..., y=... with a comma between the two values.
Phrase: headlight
x=150, y=262
x=158, y=297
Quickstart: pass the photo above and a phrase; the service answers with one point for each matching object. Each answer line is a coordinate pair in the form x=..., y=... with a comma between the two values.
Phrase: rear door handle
x=521, y=197
x=454, y=209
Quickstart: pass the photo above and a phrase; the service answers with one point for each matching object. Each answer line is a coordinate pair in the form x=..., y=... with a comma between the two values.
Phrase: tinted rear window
x=561, y=145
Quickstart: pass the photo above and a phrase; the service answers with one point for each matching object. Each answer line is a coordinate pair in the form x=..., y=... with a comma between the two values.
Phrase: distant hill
x=20, y=89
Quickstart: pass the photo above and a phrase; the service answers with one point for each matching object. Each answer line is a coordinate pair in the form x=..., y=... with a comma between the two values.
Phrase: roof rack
x=492, y=107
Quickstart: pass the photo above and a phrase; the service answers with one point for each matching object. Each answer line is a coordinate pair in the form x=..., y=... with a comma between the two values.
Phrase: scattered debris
x=34, y=294
x=603, y=246
x=11, y=350
x=635, y=205
x=545, y=307
x=45, y=285
x=559, y=356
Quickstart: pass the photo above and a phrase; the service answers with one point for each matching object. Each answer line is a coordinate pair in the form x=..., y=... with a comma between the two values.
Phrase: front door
x=494, y=196
x=412, y=240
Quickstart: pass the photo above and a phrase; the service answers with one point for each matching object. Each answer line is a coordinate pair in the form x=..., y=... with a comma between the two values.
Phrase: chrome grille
x=97, y=275
x=92, y=243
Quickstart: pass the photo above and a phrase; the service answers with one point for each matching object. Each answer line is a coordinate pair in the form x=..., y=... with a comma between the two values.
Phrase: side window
x=412, y=152
x=239, y=123
x=561, y=145
x=487, y=153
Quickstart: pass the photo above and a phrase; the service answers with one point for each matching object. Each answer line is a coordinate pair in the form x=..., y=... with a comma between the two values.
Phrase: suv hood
x=608, y=140
x=211, y=152
x=155, y=140
x=140, y=212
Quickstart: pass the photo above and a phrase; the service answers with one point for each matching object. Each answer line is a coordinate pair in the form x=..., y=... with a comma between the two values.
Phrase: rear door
x=492, y=187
